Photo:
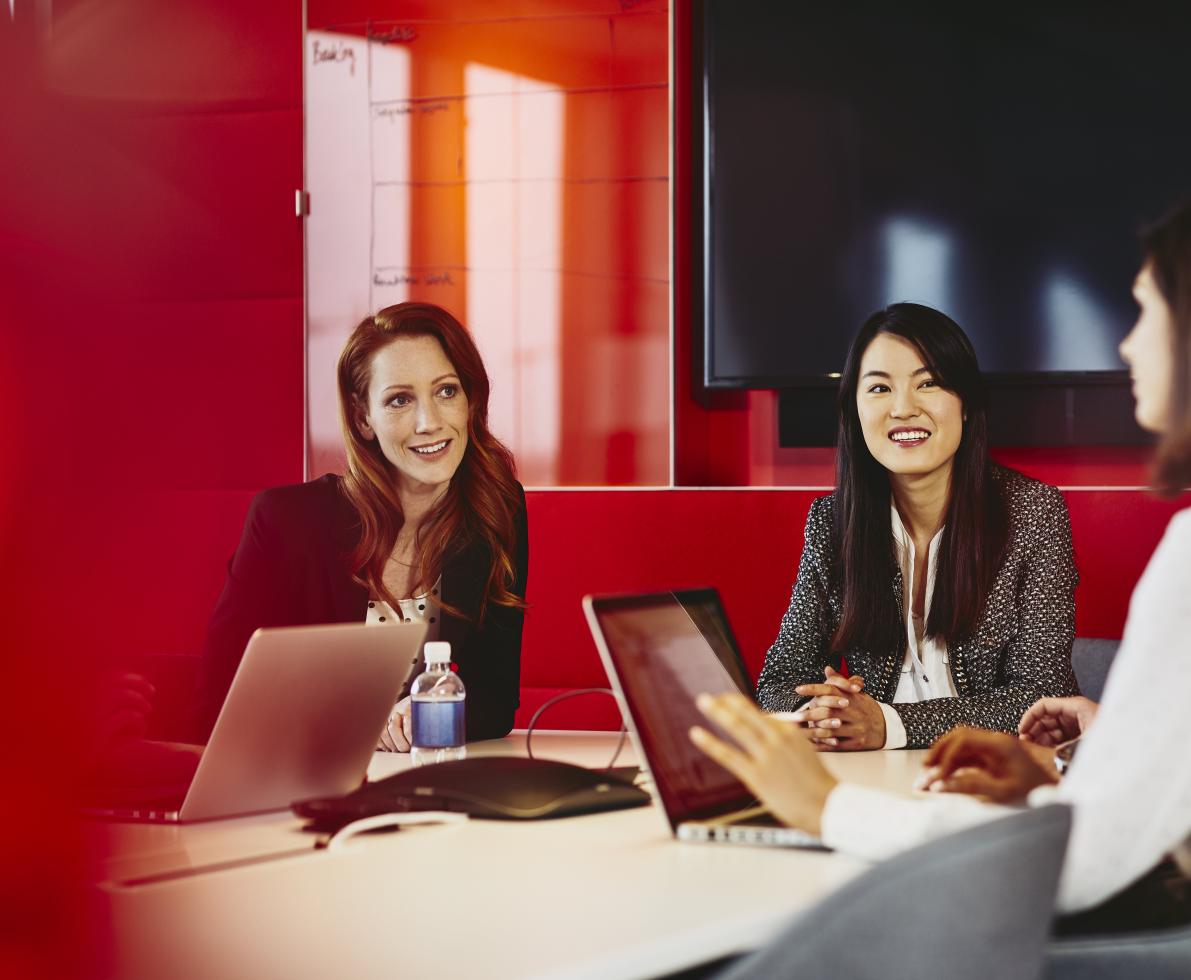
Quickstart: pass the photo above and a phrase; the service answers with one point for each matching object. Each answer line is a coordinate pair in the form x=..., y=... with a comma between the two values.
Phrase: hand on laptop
x=1052, y=721
x=839, y=716
x=993, y=765
x=395, y=736
x=772, y=758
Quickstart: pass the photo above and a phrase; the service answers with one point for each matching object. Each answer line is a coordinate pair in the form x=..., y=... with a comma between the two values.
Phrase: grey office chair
x=1091, y=659
x=975, y=905
x=1159, y=955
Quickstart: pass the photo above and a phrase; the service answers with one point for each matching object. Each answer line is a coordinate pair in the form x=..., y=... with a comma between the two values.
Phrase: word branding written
x=405, y=279
x=395, y=111
x=395, y=35
x=337, y=53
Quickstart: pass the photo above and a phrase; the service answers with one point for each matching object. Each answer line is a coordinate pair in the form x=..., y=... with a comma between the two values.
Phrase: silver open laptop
x=301, y=720
x=661, y=651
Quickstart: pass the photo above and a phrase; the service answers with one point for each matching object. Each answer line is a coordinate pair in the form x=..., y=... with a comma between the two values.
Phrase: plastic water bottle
x=436, y=710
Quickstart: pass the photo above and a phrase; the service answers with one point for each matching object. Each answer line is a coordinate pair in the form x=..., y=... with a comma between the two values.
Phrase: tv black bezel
x=703, y=295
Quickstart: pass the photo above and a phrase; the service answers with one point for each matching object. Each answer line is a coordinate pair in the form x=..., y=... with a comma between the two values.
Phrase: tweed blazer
x=1019, y=652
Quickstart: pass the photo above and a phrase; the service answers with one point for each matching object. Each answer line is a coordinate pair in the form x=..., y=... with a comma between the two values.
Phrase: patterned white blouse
x=925, y=673
x=419, y=609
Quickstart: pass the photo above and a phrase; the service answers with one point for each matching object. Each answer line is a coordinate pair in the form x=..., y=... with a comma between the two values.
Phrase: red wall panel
x=540, y=183
x=746, y=543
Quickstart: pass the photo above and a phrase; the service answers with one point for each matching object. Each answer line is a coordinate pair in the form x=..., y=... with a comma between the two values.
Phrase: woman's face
x=1148, y=350
x=911, y=425
x=417, y=412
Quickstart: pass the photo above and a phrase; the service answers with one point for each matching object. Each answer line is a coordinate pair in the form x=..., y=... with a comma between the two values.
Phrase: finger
x=815, y=713
x=1052, y=706
x=1047, y=723
x=824, y=701
x=1056, y=712
x=959, y=737
x=1029, y=732
x=397, y=733
x=740, y=712
x=1044, y=734
x=973, y=782
x=961, y=747
x=386, y=740
x=936, y=749
x=849, y=715
x=1032, y=732
x=854, y=745
x=740, y=719
x=926, y=776
x=1037, y=718
x=816, y=690
x=812, y=716
x=825, y=744
x=828, y=724
x=855, y=731
x=955, y=754
x=841, y=682
x=1051, y=739
x=1033, y=714
x=719, y=751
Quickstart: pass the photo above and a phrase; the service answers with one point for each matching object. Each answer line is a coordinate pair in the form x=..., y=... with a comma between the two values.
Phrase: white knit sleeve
x=1130, y=783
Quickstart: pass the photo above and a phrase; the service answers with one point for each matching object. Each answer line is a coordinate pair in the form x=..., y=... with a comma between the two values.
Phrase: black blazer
x=1019, y=652
x=291, y=570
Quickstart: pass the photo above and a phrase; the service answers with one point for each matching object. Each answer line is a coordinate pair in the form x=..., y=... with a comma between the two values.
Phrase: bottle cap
x=437, y=652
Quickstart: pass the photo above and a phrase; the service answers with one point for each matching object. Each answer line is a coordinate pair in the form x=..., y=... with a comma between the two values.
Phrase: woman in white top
x=1131, y=800
x=944, y=580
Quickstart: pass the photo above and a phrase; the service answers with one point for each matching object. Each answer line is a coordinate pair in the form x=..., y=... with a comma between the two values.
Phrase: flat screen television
x=995, y=162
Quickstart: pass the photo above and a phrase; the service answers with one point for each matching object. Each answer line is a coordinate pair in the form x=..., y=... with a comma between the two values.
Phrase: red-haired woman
x=427, y=523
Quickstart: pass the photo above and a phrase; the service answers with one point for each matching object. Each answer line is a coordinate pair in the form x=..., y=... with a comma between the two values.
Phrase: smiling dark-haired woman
x=946, y=582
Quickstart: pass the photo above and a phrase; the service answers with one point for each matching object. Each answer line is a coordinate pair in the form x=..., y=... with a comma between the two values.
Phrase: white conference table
x=600, y=896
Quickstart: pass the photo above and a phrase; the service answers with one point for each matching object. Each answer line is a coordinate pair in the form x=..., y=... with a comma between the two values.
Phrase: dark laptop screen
x=707, y=613
x=661, y=660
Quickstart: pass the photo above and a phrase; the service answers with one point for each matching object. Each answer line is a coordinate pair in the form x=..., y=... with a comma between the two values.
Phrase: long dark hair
x=1167, y=248
x=976, y=530
x=483, y=497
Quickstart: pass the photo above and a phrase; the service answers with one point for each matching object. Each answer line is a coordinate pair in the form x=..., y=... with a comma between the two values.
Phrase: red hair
x=483, y=497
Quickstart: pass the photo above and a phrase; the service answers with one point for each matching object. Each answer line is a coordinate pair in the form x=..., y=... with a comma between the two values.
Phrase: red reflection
x=518, y=174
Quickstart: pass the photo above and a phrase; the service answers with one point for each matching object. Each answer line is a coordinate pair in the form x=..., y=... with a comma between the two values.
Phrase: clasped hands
x=839, y=716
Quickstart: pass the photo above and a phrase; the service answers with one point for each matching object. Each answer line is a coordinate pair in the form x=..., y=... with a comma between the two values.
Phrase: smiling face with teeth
x=911, y=424
x=417, y=412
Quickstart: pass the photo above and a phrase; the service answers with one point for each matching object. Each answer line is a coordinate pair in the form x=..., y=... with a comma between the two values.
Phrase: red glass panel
x=509, y=161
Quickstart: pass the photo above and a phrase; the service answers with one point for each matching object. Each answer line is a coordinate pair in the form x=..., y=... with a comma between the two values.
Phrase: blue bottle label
x=437, y=724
